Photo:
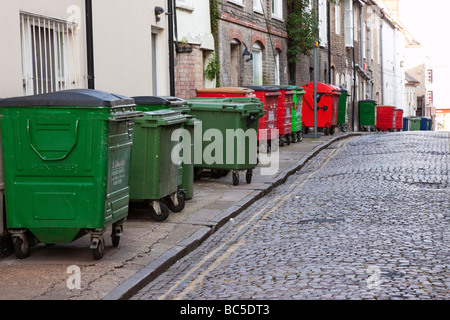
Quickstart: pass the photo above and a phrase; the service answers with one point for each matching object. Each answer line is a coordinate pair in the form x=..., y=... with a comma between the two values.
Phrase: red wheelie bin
x=385, y=118
x=268, y=95
x=398, y=119
x=327, y=107
x=284, y=114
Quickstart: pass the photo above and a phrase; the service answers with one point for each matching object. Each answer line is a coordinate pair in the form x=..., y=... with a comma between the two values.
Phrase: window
x=277, y=67
x=429, y=97
x=257, y=5
x=186, y=4
x=155, y=63
x=48, y=54
x=323, y=22
x=363, y=41
x=257, y=51
x=349, y=23
x=235, y=62
x=240, y=2
x=429, y=76
x=277, y=9
x=337, y=12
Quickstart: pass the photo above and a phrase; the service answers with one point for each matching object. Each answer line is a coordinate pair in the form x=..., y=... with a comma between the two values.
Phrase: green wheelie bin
x=297, y=132
x=154, y=176
x=414, y=123
x=67, y=161
x=342, y=111
x=186, y=170
x=367, y=115
x=229, y=130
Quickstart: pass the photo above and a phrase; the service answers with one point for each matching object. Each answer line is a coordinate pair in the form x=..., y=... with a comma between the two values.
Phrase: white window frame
x=323, y=22
x=277, y=9
x=277, y=68
x=238, y=2
x=337, y=13
x=185, y=4
x=349, y=23
x=429, y=76
x=257, y=53
x=156, y=81
x=49, y=59
x=257, y=6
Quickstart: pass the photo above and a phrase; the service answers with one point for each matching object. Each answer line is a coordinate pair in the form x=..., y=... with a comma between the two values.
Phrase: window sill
x=240, y=4
x=277, y=18
x=184, y=7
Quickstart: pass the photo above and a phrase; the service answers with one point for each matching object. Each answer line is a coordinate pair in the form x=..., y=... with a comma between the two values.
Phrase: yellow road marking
x=191, y=286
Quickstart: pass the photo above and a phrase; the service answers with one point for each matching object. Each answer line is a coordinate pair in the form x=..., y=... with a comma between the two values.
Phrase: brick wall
x=189, y=72
x=245, y=27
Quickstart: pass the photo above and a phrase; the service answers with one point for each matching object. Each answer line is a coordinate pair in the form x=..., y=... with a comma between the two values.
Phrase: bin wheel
x=263, y=147
x=21, y=248
x=197, y=173
x=116, y=233
x=300, y=136
x=332, y=130
x=248, y=176
x=326, y=131
x=235, y=178
x=288, y=140
x=99, y=250
x=274, y=147
x=180, y=206
x=216, y=174
x=115, y=239
x=163, y=215
x=281, y=143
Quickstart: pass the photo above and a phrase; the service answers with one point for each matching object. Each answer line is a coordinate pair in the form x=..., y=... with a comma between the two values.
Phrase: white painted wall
x=10, y=54
x=122, y=46
x=194, y=23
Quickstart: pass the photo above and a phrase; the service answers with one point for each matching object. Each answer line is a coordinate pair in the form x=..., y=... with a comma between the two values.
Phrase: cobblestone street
x=368, y=218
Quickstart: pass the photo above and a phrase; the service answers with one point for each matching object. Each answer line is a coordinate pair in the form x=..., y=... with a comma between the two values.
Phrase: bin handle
x=229, y=106
x=45, y=158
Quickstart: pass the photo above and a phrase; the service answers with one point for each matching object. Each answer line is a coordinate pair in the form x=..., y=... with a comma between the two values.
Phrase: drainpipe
x=329, y=40
x=90, y=45
x=171, y=9
x=382, y=60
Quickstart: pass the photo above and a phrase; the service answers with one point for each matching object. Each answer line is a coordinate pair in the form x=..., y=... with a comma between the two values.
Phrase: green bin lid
x=69, y=98
x=164, y=117
x=245, y=105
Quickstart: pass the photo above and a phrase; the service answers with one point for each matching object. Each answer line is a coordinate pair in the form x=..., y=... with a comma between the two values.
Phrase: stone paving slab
x=147, y=248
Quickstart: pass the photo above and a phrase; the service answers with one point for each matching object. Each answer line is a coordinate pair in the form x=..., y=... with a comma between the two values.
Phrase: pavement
x=147, y=248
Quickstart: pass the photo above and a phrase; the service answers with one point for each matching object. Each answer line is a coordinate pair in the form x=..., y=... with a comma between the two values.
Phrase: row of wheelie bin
x=75, y=161
x=374, y=117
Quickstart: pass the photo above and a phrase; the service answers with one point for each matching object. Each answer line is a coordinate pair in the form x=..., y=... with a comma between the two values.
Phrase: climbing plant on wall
x=302, y=25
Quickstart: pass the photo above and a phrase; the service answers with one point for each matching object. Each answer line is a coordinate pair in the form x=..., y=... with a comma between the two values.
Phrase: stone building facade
x=252, y=42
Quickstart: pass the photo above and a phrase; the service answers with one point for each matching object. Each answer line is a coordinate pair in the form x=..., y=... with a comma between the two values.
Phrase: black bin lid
x=263, y=88
x=69, y=98
x=155, y=100
x=151, y=101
